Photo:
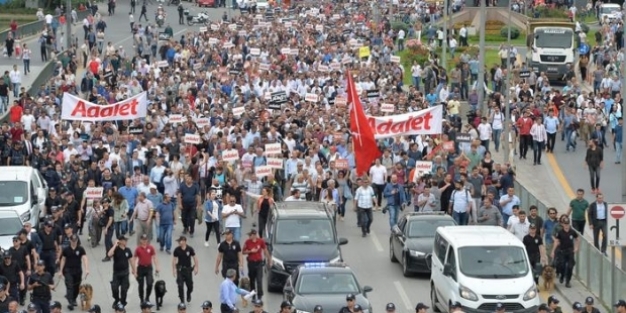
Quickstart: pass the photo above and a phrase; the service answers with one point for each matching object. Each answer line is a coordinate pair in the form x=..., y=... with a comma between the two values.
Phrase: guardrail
x=33, y=28
x=592, y=269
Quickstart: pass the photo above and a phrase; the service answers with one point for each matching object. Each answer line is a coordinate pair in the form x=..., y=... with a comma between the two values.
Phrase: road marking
x=376, y=242
x=403, y=295
x=571, y=194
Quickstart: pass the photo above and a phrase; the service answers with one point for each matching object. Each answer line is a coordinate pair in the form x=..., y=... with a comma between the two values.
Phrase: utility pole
x=444, y=45
x=623, y=162
x=480, y=84
x=507, y=101
x=68, y=24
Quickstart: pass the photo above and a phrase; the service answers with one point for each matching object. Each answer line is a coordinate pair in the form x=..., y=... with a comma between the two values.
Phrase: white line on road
x=377, y=244
x=405, y=298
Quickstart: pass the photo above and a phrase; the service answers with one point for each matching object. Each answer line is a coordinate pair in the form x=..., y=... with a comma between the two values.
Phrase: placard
x=346, y=60
x=387, y=107
x=246, y=163
x=242, y=33
x=232, y=26
x=230, y=155
x=228, y=45
x=197, y=66
x=203, y=121
x=255, y=51
x=319, y=27
x=238, y=111
x=364, y=52
x=264, y=67
x=277, y=99
x=288, y=25
x=285, y=50
x=463, y=137
x=323, y=68
x=262, y=171
x=337, y=137
x=449, y=146
x=176, y=118
x=162, y=64
x=294, y=51
x=94, y=192
x=214, y=27
x=394, y=59
x=311, y=97
x=192, y=139
x=275, y=163
x=213, y=41
x=422, y=168
x=524, y=74
x=340, y=101
x=341, y=164
x=135, y=130
x=272, y=149
x=203, y=29
x=335, y=66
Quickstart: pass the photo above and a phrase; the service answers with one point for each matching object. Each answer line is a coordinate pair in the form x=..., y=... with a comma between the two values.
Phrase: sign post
x=617, y=212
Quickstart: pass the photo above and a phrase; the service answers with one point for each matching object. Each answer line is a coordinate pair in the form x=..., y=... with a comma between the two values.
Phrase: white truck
x=551, y=46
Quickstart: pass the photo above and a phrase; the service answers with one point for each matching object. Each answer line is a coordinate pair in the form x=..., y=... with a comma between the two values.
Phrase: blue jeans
x=495, y=135
x=505, y=219
x=165, y=236
x=570, y=142
x=4, y=104
x=16, y=89
x=236, y=232
x=461, y=218
x=394, y=211
x=618, y=151
x=416, y=82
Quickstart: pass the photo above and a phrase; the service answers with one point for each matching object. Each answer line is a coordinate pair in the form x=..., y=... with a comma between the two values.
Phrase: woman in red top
x=14, y=28
x=16, y=112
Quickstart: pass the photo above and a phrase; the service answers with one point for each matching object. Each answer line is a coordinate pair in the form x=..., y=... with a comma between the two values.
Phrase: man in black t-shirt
x=53, y=200
x=230, y=255
x=565, y=246
x=12, y=271
x=122, y=257
x=41, y=284
x=536, y=251
x=182, y=268
x=5, y=299
x=73, y=259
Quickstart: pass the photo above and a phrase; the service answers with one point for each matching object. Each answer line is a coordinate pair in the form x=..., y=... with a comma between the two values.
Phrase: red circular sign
x=617, y=212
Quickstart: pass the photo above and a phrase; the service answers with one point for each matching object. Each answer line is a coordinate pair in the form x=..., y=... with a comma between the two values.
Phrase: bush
x=504, y=32
x=400, y=25
x=546, y=12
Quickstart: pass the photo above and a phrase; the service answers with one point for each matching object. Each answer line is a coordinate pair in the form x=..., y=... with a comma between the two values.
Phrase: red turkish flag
x=365, y=148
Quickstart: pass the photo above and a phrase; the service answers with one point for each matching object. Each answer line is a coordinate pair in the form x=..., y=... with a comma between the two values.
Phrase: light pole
x=480, y=84
x=507, y=102
x=623, y=162
x=444, y=45
x=68, y=24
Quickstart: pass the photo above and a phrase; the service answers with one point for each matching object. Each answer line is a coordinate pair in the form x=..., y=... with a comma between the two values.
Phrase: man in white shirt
x=232, y=213
x=365, y=201
x=28, y=120
x=484, y=133
x=295, y=196
x=16, y=80
x=463, y=36
x=520, y=228
x=378, y=174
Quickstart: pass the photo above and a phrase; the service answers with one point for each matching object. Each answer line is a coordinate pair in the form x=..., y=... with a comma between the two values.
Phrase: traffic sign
x=617, y=224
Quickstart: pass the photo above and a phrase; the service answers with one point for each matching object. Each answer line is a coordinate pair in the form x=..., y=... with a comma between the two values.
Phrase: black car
x=411, y=240
x=299, y=232
x=325, y=284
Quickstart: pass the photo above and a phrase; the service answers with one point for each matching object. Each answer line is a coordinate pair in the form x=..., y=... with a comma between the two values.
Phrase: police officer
x=53, y=200
x=207, y=306
x=5, y=299
x=358, y=308
x=182, y=267
x=49, y=247
x=318, y=309
x=566, y=244
x=13, y=273
x=68, y=233
x=553, y=305
x=390, y=307
x=578, y=307
x=285, y=307
x=181, y=19
x=122, y=260
x=20, y=256
x=55, y=307
x=182, y=307
x=146, y=307
x=421, y=308
x=32, y=308
x=350, y=302
x=543, y=308
x=258, y=306
x=73, y=259
x=589, y=308
x=456, y=307
x=535, y=250
x=95, y=309
x=620, y=306
x=41, y=284
x=230, y=255
x=72, y=213
x=500, y=307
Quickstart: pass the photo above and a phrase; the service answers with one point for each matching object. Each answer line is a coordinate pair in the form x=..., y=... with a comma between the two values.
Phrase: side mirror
x=343, y=241
x=447, y=270
x=287, y=290
x=35, y=199
x=396, y=230
x=367, y=289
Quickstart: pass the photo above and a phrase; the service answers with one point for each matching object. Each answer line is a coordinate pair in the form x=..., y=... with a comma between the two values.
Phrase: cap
x=456, y=304
x=589, y=300
x=120, y=307
x=252, y=232
x=57, y=305
x=41, y=262
x=31, y=307
x=390, y=306
x=257, y=302
x=350, y=296
x=227, y=231
x=499, y=306
x=95, y=308
x=318, y=308
x=207, y=304
x=49, y=223
x=52, y=189
x=182, y=306
x=285, y=304
x=553, y=299
x=533, y=226
x=144, y=236
x=620, y=303
x=358, y=308
x=182, y=238
x=420, y=306
x=577, y=306
x=67, y=225
x=146, y=304
x=544, y=307
x=121, y=237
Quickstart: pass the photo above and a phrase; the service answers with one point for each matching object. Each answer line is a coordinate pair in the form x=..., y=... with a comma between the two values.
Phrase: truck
x=551, y=46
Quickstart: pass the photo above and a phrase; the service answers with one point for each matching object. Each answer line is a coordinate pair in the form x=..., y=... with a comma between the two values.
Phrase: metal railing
x=592, y=269
x=34, y=28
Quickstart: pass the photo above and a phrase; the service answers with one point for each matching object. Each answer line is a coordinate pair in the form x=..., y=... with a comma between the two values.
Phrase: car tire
x=405, y=266
x=272, y=288
x=392, y=256
x=433, y=298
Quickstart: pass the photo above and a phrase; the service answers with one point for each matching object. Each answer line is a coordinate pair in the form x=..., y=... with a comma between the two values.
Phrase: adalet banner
x=423, y=122
x=77, y=109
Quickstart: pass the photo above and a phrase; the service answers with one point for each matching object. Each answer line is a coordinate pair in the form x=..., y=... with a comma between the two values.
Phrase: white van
x=23, y=190
x=480, y=266
x=609, y=11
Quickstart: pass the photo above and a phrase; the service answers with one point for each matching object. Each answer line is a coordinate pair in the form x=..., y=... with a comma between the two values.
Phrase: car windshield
x=608, y=10
x=426, y=228
x=493, y=262
x=304, y=231
x=554, y=38
x=325, y=283
x=10, y=225
x=13, y=193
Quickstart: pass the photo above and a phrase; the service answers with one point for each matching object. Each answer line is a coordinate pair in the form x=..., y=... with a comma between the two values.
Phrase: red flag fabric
x=363, y=142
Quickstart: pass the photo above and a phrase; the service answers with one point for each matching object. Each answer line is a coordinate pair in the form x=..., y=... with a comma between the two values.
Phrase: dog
x=548, y=274
x=159, y=290
x=85, y=292
x=244, y=283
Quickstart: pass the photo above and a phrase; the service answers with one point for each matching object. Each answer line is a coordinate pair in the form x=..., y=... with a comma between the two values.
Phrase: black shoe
x=568, y=285
x=74, y=303
x=114, y=306
x=107, y=259
x=364, y=234
x=70, y=307
x=189, y=299
x=561, y=279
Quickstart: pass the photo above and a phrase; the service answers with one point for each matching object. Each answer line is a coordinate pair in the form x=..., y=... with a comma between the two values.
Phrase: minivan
x=24, y=191
x=609, y=11
x=479, y=267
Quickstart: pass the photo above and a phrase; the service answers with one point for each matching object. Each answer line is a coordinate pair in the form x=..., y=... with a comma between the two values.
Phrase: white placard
x=267, y=96
x=285, y=50
x=203, y=29
x=395, y=59
x=176, y=118
x=162, y=64
x=242, y=33
x=213, y=41
x=262, y=171
x=272, y=149
x=255, y=51
x=340, y=100
x=230, y=155
x=197, y=66
x=323, y=68
x=258, y=16
x=422, y=168
x=238, y=111
x=319, y=27
x=264, y=67
x=94, y=192
x=192, y=139
x=214, y=27
x=336, y=16
x=308, y=26
x=311, y=97
x=387, y=107
x=275, y=163
x=346, y=60
x=335, y=66
x=232, y=26
x=228, y=45
x=294, y=51
x=203, y=121
x=288, y=24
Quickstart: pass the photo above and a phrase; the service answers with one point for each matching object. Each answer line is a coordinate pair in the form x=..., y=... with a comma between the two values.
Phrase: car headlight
x=335, y=260
x=467, y=294
x=278, y=263
x=531, y=293
x=415, y=253
x=25, y=217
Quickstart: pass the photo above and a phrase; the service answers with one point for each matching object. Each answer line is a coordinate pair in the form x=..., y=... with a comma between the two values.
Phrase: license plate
x=553, y=69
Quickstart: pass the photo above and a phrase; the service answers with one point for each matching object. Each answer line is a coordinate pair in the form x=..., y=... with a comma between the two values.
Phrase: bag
x=347, y=192
x=103, y=220
x=199, y=214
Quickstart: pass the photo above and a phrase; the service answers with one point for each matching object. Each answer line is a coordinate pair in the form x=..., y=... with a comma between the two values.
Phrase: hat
x=420, y=306
x=52, y=189
x=120, y=307
x=620, y=303
x=318, y=308
x=227, y=231
x=589, y=300
x=553, y=299
x=41, y=263
x=350, y=296
x=358, y=308
x=532, y=225
x=499, y=306
x=182, y=238
x=257, y=302
x=285, y=304
x=390, y=307
x=456, y=304
x=577, y=306
x=67, y=225
x=122, y=237
x=182, y=306
x=31, y=307
x=146, y=304
x=544, y=307
x=144, y=236
x=207, y=304
x=57, y=305
x=252, y=232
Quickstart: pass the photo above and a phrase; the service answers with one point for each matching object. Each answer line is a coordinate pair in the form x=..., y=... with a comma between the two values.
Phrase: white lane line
x=403, y=295
x=376, y=242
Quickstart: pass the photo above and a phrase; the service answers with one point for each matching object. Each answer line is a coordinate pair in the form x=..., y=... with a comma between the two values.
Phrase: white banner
x=275, y=163
x=424, y=122
x=262, y=171
x=77, y=109
x=192, y=139
x=94, y=192
x=272, y=149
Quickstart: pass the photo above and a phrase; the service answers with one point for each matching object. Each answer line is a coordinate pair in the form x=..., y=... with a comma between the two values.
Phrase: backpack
x=254, y=160
x=467, y=198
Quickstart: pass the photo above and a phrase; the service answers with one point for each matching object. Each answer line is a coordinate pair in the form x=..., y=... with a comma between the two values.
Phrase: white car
x=10, y=225
x=609, y=11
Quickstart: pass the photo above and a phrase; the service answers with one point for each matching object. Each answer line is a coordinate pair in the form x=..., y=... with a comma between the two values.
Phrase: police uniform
x=258, y=303
x=71, y=259
x=230, y=256
x=184, y=269
x=49, y=247
x=553, y=300
x=565, y=259
x=589, y=306
x=5, y=299
x=347, y=309
x=41, y=294
x=12, y=271
x=18, y=256
x=533, y=245
x=207, y=306
x=121, y=271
